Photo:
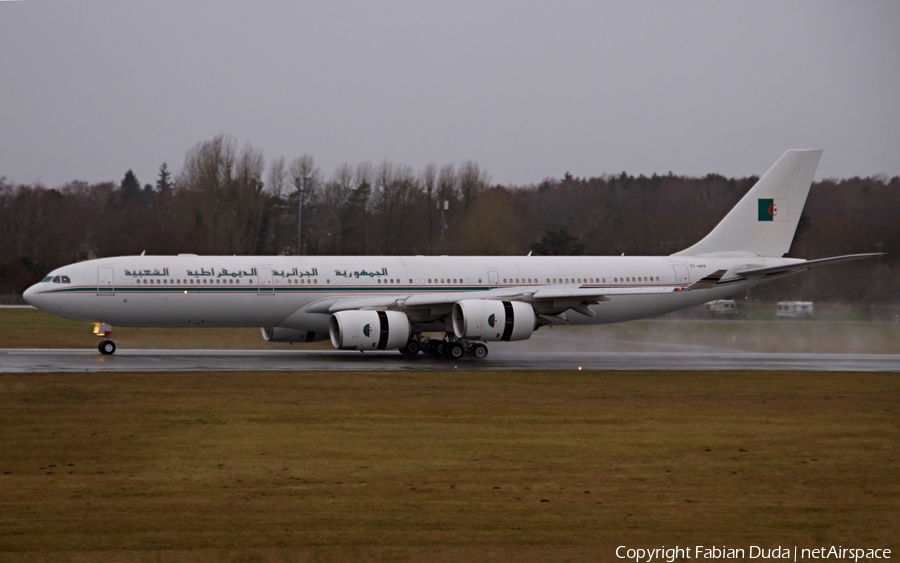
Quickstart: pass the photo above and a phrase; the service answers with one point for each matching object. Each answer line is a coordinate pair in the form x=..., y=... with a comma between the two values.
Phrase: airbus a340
x=387, y=303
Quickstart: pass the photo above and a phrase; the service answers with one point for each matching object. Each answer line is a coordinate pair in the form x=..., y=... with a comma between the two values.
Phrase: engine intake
x=480, y=319
x=368, y=330
x=279, y=334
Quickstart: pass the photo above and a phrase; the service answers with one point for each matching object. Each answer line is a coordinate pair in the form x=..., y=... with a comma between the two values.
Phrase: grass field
x=524, y=466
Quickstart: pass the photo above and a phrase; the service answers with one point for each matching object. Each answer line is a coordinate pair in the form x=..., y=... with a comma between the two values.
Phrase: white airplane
x=387, y=303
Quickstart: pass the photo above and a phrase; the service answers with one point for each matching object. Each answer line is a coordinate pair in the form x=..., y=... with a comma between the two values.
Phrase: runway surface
x=87, y=360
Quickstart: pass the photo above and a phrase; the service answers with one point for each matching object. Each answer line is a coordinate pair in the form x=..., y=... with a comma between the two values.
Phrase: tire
x=107, y=347
x=479, y=350
x=454, y=350
x=412, y=348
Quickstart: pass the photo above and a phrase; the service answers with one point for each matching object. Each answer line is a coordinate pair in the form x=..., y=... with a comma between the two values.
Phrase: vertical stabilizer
x=764, y=221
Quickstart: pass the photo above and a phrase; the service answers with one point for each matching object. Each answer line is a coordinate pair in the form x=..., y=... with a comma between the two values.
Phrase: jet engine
x=278, y=334
x=480, y=319
x=369, y=330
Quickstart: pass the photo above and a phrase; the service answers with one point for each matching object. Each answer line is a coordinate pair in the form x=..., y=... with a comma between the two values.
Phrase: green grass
x=525, y=466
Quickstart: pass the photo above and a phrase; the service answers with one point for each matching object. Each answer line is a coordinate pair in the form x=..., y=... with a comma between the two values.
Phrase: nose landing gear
x=103, y=330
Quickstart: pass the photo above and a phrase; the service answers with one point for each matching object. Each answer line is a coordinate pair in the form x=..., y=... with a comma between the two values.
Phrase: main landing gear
x=107, y=347
x=446, y=348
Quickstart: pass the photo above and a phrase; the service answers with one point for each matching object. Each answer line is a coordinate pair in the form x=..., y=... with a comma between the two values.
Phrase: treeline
x=229, y=200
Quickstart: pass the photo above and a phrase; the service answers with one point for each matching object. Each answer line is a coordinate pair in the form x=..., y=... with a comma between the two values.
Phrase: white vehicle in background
x=721, y=307
x=795, y=309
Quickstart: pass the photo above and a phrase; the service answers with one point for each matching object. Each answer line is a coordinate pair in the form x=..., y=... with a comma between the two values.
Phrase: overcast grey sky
x=89, y=89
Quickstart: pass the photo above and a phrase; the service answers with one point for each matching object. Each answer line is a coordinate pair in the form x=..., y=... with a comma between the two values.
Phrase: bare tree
x=490, y=227
x=355, y=215
x=276, y=187
x=330, y=217
x=472, y=182
x=223, y=190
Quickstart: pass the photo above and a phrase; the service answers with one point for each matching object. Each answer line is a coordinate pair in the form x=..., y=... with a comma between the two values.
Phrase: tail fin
x=764, y=221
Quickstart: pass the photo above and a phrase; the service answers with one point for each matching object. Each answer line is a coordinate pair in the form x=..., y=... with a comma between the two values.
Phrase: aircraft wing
x=801, y=266
x=573, y=295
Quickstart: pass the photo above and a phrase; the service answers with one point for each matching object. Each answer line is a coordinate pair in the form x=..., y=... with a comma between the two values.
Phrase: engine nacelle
x=279, y=334
x=481, y=319
x=368, y=330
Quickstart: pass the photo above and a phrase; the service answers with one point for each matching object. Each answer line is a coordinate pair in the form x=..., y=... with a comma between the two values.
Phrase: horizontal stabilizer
x=806, y=265
x=709, y=281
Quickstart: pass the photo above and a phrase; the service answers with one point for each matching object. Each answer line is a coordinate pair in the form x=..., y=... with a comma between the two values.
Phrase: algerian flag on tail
x=764, y=221
x=773, y=209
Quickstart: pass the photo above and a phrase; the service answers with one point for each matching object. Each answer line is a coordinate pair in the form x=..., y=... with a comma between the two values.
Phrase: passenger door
x=106, y=281
x=681, y=274
x=266, y=281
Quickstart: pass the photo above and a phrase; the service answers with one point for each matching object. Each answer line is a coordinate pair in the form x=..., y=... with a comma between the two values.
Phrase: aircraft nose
x=31, y=296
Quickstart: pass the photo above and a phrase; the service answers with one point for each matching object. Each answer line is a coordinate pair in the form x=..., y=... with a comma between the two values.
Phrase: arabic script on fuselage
x=360, y=273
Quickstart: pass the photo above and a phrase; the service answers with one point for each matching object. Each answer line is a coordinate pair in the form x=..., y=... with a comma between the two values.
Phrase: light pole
x=443, y=209
x=301, y=196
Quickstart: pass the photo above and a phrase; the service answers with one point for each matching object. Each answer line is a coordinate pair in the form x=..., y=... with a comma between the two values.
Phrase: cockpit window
x=48, y=278
x=65, y=279
x=56, y=279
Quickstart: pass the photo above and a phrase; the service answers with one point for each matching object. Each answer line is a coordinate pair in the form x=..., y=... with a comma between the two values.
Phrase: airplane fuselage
x=266, y=291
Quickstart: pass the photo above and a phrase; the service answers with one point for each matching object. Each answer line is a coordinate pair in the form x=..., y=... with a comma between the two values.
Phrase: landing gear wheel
x=454, y=350
x=479, y=350
x=107, y=347
x=412, y=348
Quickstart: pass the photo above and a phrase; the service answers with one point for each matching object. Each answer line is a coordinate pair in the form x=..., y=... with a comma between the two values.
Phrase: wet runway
x=87, y=360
